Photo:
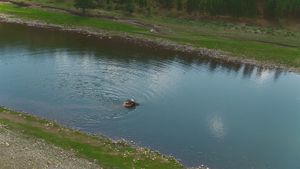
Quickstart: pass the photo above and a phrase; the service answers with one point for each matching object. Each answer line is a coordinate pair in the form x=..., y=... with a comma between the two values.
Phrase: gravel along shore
x=18, y=151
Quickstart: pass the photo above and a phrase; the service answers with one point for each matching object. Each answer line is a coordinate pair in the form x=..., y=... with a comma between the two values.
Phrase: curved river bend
x=202, y=111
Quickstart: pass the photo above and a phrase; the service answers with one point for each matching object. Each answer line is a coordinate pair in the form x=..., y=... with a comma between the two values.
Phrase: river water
x=202, y=111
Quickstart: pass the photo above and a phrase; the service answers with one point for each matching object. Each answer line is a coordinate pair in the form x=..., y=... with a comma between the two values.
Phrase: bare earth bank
x=18, y=151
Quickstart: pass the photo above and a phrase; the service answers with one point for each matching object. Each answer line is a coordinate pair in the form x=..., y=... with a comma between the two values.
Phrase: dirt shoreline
x=20, y=151
x=148, y=43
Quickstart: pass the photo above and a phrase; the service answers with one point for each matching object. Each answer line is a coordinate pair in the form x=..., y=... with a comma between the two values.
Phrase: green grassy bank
x=263, y=44
x=109, y=154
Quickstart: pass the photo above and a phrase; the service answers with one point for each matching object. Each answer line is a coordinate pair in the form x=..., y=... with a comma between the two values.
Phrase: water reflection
x=216, y=126
x=97, y=71
x=226, y=111
x=81, y=46
x=263, y=75
x=247, y=70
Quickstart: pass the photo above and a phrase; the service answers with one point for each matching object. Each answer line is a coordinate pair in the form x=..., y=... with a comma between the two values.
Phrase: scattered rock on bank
x=18, y=151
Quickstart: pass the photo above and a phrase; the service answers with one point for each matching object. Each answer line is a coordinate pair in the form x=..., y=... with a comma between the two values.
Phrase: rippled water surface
x=227, y=116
